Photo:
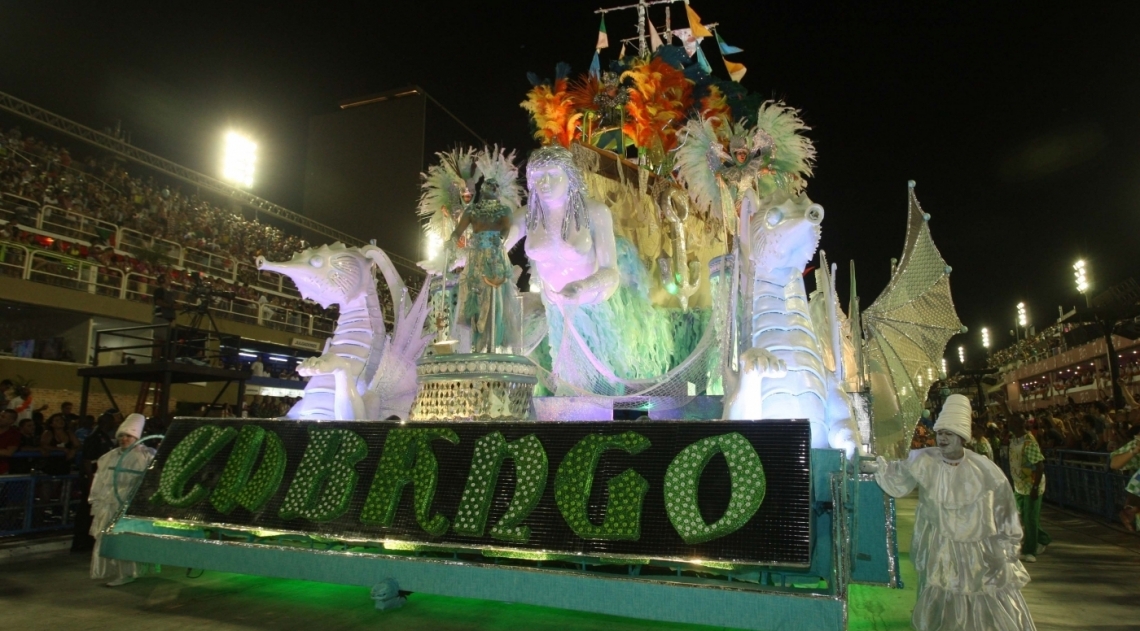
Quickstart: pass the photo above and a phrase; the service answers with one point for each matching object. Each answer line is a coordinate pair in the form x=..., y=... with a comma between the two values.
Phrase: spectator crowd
x=1112, y=435
x=96, y=192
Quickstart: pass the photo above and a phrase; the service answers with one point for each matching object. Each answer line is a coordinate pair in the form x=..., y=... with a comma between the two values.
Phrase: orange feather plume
x=583, y=92
x=715, y=108
x=660, y=98
x=554, y=113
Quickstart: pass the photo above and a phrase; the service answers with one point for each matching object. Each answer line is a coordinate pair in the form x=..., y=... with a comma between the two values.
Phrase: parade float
x=684, y=422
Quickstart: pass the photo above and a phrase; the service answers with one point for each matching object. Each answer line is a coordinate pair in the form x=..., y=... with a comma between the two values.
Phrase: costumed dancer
x=448, y=201
x=488, y=302
x=722, y=163
x=967, y=535
x=121, y=467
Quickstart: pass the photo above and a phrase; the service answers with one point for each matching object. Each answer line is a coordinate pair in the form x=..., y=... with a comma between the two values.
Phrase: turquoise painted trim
x=727, y=604
x=824, y=463
x=874, y=551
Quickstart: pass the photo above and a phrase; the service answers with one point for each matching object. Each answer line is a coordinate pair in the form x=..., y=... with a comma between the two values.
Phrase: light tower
x=1080, y=272
x=986, y=340
x=962, y=355
x=1022, y=318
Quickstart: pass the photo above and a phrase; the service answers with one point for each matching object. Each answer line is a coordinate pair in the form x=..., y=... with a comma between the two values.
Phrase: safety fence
x=52, y=268
x=85, y=230
x=38, y=503
x=1083, y=480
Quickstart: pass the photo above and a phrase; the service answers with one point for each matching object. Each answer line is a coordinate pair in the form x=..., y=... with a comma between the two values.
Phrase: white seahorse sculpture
x=783, y=373
x=364, y=373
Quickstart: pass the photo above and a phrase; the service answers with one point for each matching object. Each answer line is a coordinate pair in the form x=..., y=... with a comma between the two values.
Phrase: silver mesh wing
x=905, y=335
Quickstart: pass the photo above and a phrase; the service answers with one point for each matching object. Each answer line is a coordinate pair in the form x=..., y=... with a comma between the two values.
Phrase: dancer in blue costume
x=487, y=296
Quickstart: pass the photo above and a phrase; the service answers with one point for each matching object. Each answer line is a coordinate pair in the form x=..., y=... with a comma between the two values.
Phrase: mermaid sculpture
x=603, y=331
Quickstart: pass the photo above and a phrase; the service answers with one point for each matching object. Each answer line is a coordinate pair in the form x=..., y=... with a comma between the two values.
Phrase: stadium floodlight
x=961, y=354
x=1022, y=315
x=944, y=371
x=985, y=338
x=1082, y=277
x=239, y=160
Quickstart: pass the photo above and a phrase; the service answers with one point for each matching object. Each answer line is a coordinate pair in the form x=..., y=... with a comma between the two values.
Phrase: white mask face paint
x=950, y=444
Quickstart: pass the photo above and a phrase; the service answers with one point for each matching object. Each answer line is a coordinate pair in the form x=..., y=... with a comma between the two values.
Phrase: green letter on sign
x=236, y=487
x=684, y=474
x=323, y=484
x=531, y=468
x=576, y=475
x=188, y=457
x=407, y=457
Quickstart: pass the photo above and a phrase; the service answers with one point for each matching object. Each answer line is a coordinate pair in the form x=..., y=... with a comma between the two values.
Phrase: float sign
x=735, y=492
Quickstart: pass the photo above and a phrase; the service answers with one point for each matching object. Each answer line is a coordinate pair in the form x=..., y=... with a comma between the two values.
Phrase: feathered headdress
x=498, y=166
x=791, y=155
x=441, y=197
x=700, y=155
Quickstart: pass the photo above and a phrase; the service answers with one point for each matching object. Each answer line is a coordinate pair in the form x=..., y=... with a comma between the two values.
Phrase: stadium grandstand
x=88, y=226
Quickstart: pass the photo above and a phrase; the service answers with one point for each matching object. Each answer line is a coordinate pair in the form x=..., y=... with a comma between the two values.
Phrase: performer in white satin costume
x=120, y=468
x=967, y=534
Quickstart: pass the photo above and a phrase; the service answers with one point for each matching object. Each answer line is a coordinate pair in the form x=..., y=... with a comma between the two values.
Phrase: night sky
x=1019, y=121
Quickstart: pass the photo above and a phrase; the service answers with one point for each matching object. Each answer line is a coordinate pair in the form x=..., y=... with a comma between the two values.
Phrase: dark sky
x=1019, y=121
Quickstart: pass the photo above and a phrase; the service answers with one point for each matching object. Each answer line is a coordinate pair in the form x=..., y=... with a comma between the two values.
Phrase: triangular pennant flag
x=725, y=49
x=703, y=61
x=654, y=39
x=699, y=29
x=621, y=54
x=603, y=37
x=687, y=40
x=735, y=70
x=596, y=66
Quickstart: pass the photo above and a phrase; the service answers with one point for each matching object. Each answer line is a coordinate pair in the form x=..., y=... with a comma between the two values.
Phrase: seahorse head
x=785, y=233
x=330, y=274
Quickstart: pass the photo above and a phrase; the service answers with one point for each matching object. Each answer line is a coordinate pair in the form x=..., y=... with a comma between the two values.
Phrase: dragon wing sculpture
x=906, y=330
x=363, y=372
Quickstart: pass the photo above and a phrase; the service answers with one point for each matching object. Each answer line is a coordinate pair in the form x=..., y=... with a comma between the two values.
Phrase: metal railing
x=81, y=229
x=73, y=225
x=38, y=503
x=140, y=288
x=84, y=230
x=1083, y=480
x=141, y=245
x=60, y=270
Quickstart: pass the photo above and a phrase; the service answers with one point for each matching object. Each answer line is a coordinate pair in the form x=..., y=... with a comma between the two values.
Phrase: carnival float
x=684, y=421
